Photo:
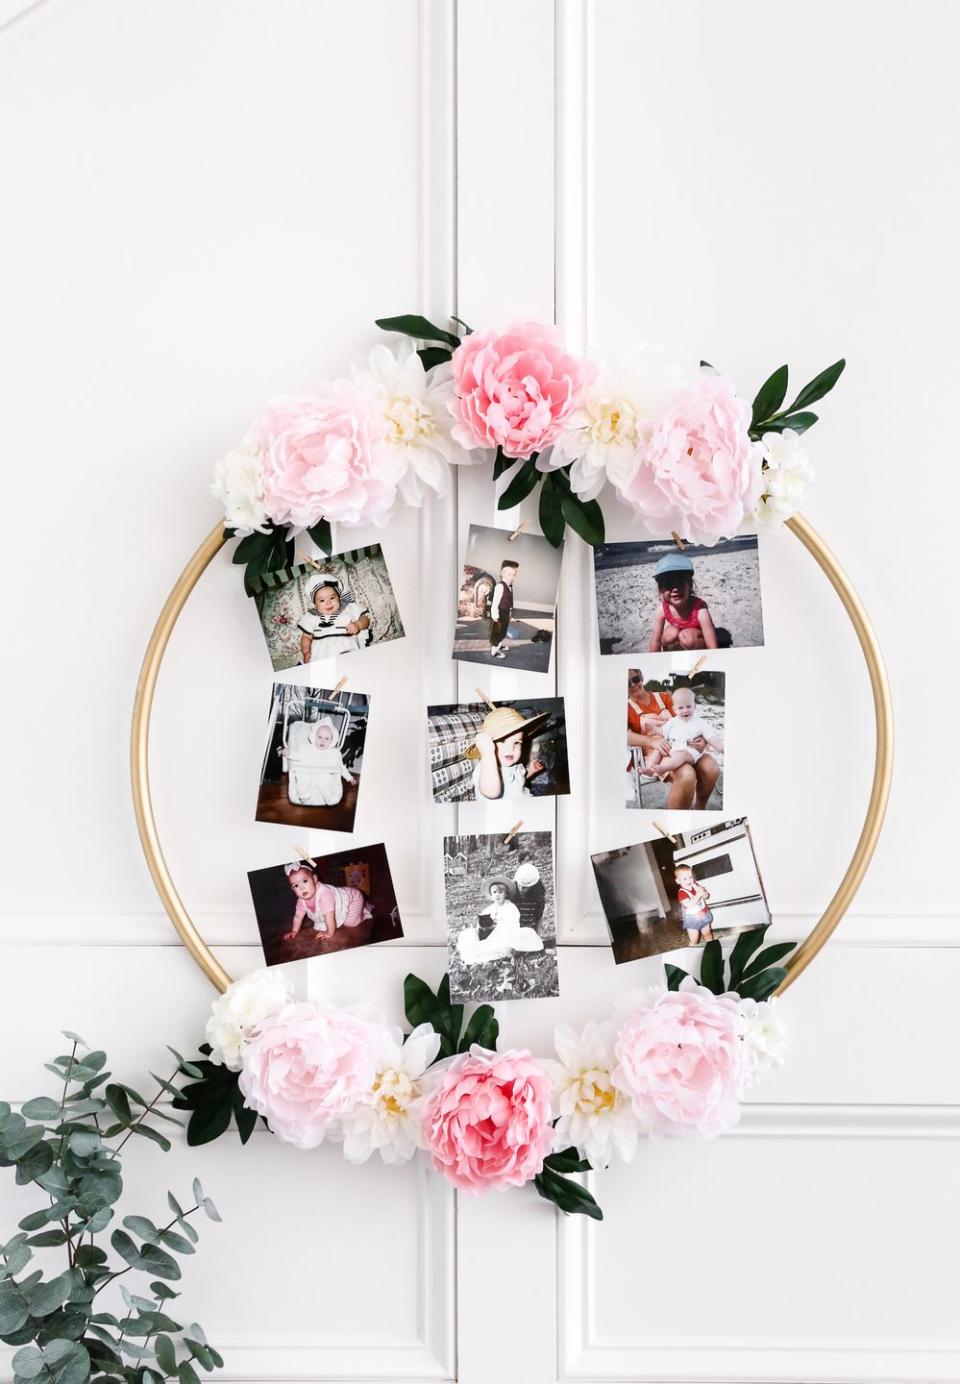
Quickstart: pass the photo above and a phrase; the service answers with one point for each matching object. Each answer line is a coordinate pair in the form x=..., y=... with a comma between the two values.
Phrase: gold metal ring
x=805, y=952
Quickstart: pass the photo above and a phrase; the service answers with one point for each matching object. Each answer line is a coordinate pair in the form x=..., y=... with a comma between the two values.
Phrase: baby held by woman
x=682, y=727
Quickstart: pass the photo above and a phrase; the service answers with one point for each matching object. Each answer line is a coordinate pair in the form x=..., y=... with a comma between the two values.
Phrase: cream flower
x=238, y=485
x=616, y=417
x=592, y=1114
x=387, y=1120
x=787, y=475
x=237, y=1013
x=766, y=1039
x=414, y=406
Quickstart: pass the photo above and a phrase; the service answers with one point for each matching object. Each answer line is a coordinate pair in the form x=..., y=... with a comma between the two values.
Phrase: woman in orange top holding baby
x=690, y=784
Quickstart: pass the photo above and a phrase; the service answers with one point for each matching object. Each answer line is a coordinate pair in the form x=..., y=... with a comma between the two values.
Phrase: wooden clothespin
x=303, y=854
x=678, y=540
x=518, y=530
x=697, y=666
x=663, y=832
x=512, y=832
x=314, y=563
x=339, y=687
x=484, y=698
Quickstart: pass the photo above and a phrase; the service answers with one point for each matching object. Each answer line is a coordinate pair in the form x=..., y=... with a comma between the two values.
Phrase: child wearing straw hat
x=501, y=748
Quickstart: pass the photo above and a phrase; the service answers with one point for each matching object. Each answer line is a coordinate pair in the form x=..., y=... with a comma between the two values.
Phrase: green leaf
x=145, y=1131
x=433, y=355
x=551, y=511
x=567, y=1161
x=211, y=1120
x=483, y=1029
x=519, y=488
x=503, y=463
x=47, y=1297
x=254, y=545
x=246, y=1119
x=197, y=1190
x=770, y=396
x=761, y=986
x=158, y=1261
x=143, y=1228
x=37, y=1160
x=800, y=422
x=321, y=536
x=768, y=957
x=125, y=1247
x=84, y=1143
x=674, y=975
x=178, y=1243
x=819, y=386
x=74, y=1038
x=410, y=324
x=161, y=1290
x=41, y=1108
x=451, y=1018
x=210, y=1210
x=420, y=1003
x=568, y=1196
x=166, y=1354
x=119, y=1103
x=467, y=331
x=46, y=1238
x=186, y=1374
x=711, y=967
x=746, y=944
x=585, y=517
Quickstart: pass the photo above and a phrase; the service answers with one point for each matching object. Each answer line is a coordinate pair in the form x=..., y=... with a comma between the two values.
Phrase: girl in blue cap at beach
x=683, y=620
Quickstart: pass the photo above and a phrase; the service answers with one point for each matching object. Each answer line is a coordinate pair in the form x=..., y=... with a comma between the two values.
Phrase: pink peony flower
x=306, y=1067
x=515, y=390
x=699, y=474
x=325, y=457
x=487, y=1122
x=678, y=1058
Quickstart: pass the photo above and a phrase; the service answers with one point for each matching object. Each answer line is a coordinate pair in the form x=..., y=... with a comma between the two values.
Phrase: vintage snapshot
x=655, y=597
x=341, y=604
x=328, y=904
x=480, y=753
x=659, y=896
x=311, y=770
x=501, y=922
x=506, y=613
x=675, y=729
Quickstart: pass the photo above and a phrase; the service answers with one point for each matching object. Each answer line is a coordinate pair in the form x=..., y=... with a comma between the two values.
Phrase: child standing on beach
x=685, y=725
x=683, y=620
x=501, y=747
x=501, y=608
x=332, y=627
x=697, y=919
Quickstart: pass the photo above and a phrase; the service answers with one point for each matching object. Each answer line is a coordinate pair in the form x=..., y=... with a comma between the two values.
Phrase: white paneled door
x=208, y=203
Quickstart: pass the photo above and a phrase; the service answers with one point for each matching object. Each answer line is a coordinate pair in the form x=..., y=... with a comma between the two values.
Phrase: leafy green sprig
x=750, y=973
x=769, y=416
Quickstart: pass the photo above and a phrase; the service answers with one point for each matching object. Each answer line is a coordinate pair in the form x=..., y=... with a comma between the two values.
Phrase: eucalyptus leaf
x=41, y=1108
x=166, y=1354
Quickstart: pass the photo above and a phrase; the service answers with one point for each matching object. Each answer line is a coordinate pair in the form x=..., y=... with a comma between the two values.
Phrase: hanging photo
x=653, y=597
x=675, y=728
x=311, y=771
x=329, y=904
x=514, y=750
x=501, y=929
x=659, y=896
x=344, y=604
x=506, y=613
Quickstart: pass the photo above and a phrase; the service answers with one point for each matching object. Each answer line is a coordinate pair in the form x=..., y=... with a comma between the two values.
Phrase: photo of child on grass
x=675, y=730
x=655, y=597
x=661, y=895
x=311, y=770
x=501, y=929
x=329, y=903
x=506, y=609
x=481, y=752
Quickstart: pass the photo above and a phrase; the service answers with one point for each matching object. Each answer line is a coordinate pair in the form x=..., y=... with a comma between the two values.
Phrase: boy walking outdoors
x=501, y=607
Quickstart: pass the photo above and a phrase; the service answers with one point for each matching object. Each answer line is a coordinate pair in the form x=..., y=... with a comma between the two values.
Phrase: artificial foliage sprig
x=70, y=1147
x=749, y=973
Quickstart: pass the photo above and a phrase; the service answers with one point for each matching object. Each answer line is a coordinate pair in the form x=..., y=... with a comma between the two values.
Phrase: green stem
x=168, y=1226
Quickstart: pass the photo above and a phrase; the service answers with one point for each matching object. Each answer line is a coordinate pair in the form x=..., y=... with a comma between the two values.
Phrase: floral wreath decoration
x=692, y=460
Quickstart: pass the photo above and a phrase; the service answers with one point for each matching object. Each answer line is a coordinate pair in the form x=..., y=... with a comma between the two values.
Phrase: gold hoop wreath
x=795, y=965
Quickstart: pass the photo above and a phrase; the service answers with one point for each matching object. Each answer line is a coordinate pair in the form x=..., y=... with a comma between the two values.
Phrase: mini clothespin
x=518, y=530
x=303, y=854
x=663, y=832
x=697, y=666
x=678, y=540
x=339, y=687
x=512, y=832
x=484, y=698
x=313, y=563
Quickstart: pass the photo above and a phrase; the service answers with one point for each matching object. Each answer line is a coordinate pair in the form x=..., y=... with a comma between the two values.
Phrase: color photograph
x=482, y=753
x=311, y=770
x=326, y=904
x=506, y=610
x=501, y=928
x=335, y=606
x=663, y=895
x=654, y=597
x=675, y=728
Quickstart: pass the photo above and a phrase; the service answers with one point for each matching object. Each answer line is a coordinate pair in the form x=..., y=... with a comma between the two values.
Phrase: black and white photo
x=335, y=606
x=662, y=895
x=506, y=611
x=313, y=763
x=481, y=752
x=501, y=920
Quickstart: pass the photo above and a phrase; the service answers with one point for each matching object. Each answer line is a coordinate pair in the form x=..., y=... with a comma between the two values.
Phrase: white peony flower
x=787, y=476
x=413, y=403
x=244, y=1005
x=766, y=1039
x=592, y=1114
x=388, y=1119
x=238, y=485
x=618, y=413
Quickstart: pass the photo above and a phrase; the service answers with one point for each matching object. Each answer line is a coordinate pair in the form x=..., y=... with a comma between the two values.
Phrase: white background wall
x=206, y=204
